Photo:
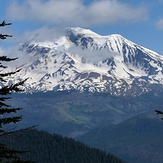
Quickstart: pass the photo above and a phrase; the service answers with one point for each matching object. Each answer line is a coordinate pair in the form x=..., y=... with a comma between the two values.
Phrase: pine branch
x=9, y=110
x=4, y=98
x=6, y=59
x=12, y=88
x=158, y=112
x=4, y=24
x=1, y=66
x=1, y=131
x=3, y=37
x=2, y=104
x=2, y=80
x=9, y=73
x=10, y=120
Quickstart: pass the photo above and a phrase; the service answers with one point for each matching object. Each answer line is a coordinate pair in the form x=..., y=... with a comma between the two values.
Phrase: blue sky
x=140, y=21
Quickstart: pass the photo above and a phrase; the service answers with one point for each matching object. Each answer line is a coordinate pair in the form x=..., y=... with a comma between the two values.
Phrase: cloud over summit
x=75, y=12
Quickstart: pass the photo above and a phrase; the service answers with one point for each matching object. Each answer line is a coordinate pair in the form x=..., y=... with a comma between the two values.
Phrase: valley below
x=126, y=126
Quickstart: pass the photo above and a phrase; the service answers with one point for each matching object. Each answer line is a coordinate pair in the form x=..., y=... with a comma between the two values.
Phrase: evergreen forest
x=42, y=147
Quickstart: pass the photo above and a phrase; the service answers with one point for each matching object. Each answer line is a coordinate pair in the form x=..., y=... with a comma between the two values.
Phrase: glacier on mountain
x=85, y=61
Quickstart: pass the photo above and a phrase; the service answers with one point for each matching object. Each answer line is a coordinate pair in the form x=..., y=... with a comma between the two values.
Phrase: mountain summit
x=82, y=60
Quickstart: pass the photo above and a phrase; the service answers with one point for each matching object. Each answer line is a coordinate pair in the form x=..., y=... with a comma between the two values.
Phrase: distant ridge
x=44, y=147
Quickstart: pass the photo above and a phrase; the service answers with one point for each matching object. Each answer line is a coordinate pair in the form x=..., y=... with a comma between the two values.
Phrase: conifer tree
x=7, y=113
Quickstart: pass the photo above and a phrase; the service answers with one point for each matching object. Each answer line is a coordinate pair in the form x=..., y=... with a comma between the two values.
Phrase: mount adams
x=84, y=61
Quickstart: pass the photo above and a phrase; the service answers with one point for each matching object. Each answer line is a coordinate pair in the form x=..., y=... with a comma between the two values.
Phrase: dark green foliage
x=6, y=111
x=4, y=36
x=10, y=155
x=45, y=147
x=5, y=89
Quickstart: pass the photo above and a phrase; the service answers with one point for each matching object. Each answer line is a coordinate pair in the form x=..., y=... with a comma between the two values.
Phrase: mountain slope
x=74, y=113
x=135, y=140
x=44, y=147
x=83, y=60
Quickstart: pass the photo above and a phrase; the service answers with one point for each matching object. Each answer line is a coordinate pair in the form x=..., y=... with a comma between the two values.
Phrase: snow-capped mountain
x=85, y=61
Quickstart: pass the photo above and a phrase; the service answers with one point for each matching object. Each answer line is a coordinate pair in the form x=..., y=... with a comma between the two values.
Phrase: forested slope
x=47, y=148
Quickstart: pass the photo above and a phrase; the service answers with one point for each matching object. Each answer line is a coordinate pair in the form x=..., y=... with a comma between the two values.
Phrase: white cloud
x=159, y=24
x=75, y=12
x=43, y=34
x=91, y=56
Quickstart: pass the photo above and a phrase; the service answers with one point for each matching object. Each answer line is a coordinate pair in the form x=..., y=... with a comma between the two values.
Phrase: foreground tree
x=6, y=111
